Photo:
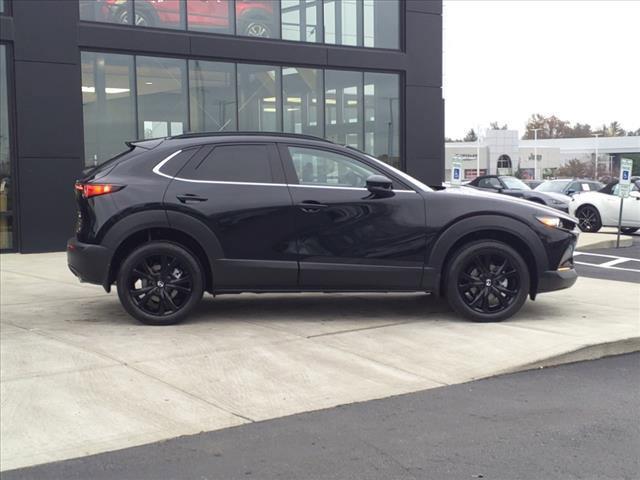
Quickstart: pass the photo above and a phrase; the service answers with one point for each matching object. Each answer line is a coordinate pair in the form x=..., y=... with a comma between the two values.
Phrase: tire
x=627, y=230
x=589, y=219
x=256, y=26
x=168, y=280
x=487, y=281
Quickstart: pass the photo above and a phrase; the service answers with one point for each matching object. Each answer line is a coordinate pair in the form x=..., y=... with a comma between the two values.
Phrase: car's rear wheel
x=589, y=219
x=160, y=283
x=487, y=281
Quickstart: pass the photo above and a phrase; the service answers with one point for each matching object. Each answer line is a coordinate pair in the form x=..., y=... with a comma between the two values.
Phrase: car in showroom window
x=226, y=213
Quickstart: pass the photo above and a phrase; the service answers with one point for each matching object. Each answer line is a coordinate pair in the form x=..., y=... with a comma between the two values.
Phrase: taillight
x=94, y=189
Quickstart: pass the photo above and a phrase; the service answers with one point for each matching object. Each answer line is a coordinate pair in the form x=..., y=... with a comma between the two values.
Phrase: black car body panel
x=278, y=234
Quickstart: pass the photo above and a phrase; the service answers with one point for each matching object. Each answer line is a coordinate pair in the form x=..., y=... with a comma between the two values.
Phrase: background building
x=503, y=152
x=78, y=78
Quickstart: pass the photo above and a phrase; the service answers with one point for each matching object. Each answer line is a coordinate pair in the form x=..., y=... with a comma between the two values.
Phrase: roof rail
x=257, y=134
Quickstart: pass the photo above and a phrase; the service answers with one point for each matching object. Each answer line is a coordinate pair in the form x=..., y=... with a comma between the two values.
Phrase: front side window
x=491, y=182
x=322, y=168
x=235, y=163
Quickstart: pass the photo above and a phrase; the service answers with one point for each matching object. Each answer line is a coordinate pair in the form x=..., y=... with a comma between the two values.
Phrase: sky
x=505, y=60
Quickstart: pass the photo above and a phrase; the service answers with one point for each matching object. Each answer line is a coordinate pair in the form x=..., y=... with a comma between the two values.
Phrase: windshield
x=514, y=183
x=555, y=187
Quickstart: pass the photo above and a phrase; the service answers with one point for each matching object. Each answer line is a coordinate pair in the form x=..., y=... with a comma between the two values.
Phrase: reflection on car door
x=346, y=238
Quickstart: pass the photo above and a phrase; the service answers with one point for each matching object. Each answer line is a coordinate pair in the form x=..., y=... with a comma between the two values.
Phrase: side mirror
x=380, y=186
x=571, y=191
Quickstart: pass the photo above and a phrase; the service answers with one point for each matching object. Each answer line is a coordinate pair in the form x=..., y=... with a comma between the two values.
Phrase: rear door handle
x=311, y=206
x=190, y=197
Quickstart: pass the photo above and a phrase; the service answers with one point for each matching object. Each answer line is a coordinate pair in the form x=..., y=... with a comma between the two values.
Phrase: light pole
x=535, y=152
x=595, y=169
x=477, y=150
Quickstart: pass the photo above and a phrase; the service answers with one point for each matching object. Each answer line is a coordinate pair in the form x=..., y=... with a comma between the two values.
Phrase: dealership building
x=81, y=77
x=503, y=152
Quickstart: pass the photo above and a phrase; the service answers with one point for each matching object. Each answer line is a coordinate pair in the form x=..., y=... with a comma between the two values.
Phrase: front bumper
x=90, y=263
x=552, y=280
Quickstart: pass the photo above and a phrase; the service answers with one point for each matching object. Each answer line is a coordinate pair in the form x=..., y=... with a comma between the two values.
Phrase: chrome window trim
x=163, y=162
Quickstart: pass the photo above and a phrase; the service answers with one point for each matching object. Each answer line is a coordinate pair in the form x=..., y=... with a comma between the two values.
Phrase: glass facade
x=127, y=97
x=6, y=200
x=360, y=23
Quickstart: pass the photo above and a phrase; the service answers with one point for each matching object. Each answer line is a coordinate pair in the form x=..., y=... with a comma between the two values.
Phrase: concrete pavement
x=78, y=376
x=570, y=422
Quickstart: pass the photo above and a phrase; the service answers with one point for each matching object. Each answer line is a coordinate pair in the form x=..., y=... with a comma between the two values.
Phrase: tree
x=581, y=130
x=549, y=127
x=470, y=136
x=574, y=168
x=494, y=126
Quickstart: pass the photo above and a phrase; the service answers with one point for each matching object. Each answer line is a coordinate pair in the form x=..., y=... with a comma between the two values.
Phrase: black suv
x=238, y=212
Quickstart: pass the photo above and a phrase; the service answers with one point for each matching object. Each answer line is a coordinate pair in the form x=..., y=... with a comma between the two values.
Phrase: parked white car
x=595, y=210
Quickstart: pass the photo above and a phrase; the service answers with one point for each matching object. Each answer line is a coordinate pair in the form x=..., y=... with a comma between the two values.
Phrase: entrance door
x=346, y=237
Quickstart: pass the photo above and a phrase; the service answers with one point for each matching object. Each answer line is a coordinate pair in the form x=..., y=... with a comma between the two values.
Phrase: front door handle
x=190, y=197
x=311, y=206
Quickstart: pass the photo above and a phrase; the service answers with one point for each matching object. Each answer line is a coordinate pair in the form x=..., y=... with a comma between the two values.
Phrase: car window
x=515, y=183
x=557, y=186
x=491, y=182
x=319, y=167
x=234, y=163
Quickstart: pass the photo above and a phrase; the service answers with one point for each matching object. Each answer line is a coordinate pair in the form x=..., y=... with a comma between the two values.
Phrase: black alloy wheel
x=160, y=283
x=589, y=219
x=487, y=281
x=257, y=28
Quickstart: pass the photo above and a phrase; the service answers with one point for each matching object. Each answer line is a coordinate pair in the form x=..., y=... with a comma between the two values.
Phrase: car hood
x=482, y=199
x=558, y=196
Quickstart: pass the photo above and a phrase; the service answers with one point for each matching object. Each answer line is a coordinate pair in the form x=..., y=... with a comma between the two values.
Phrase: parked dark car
x=226, y=213
x=515, y=187
x=569, y=186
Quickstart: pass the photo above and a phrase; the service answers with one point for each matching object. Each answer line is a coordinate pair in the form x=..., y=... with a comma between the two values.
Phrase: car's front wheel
x=160, y=283
x=589, y=219
x=487, y=281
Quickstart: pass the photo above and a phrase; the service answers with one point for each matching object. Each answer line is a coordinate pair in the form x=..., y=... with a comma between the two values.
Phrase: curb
x=625, y=241
x=581, y=354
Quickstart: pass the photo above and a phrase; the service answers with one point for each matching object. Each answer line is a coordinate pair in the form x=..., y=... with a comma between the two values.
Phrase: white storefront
x=503, y=152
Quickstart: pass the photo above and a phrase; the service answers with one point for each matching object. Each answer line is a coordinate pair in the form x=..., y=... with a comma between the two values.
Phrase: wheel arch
x=486, y=227
x=140, y=228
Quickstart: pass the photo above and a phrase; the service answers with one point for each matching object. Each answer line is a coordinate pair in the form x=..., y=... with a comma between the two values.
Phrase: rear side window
x=233, y=163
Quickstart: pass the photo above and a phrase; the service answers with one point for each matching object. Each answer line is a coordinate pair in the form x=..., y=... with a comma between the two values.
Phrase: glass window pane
x=211, y=16
x=234, y=163
x=212, y=96
x=6, y=217
x=343, y=22
x=110, y=11
x=302, y=97
x=159, y=13
x=382, y=117
x=319, y=167
x=382, y=24
x=107, y=105
x=259, y=99
x=343, y=107
x=162, y=96
x=258, y=18
x=301, y=20
x=1, y=6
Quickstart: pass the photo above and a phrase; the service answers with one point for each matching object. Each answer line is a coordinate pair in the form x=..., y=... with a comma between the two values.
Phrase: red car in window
x=255, y=18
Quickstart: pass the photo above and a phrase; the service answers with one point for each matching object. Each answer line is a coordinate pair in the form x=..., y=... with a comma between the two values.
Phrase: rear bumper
x=90, y=263
x=556, y=280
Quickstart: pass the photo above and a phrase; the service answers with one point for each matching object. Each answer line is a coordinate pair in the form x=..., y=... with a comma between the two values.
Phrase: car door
x=630, y=208
x=238, y=191
x=346, y=237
